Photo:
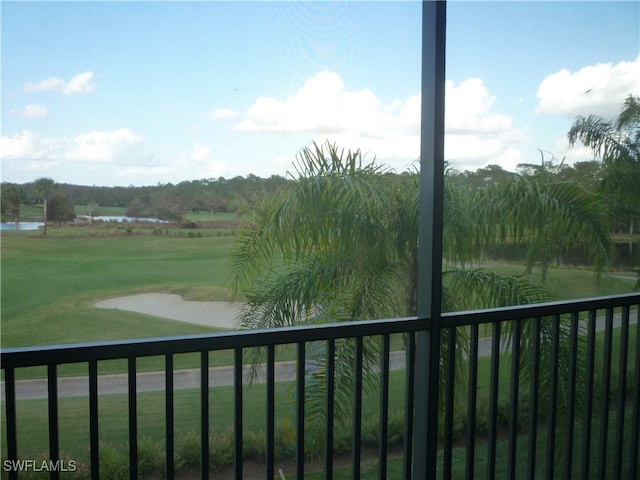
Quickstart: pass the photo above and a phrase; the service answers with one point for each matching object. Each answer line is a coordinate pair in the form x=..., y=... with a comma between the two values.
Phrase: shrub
x=253, y=444
x=187, y=450
x=151, y=457
x=114, y=462
x=221, y=449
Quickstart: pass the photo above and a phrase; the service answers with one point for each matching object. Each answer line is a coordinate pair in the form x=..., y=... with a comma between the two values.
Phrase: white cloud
x=79, y=84
x=200, y=152
x=30, y=111
x=44, y=85
x=594, y=89
x=468, y=109
x=198, y=162
x=29, y=146
x=103, y=146
x=475, y=134
x=323, y=105
x=221, y=114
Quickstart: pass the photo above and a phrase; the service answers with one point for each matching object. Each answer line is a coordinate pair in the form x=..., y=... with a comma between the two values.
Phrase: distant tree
x=135, y=209
x=589, y=174
x=169, y=204
x=61, y=207
x=12, y=198
x=483, y=177
x=211, y=202
x=93, y=209
x=44, y=188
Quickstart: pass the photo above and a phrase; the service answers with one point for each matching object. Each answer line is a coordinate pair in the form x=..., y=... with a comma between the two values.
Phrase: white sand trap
x=171, y=306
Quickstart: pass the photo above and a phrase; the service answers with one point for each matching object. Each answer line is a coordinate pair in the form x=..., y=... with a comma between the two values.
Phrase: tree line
x=164, y=201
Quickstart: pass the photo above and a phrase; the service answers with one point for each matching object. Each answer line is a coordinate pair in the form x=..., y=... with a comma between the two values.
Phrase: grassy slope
x=50, y=286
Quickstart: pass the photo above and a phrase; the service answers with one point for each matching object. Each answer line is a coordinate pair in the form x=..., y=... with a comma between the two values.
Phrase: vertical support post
x=429, y=283
x=54, y=434
x=94, y=439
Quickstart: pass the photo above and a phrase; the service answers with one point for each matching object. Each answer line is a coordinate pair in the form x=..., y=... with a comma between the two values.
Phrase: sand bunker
x=171, y=306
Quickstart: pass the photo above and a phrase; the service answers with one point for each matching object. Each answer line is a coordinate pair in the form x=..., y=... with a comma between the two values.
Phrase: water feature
x=125, y=219
x=11, y=226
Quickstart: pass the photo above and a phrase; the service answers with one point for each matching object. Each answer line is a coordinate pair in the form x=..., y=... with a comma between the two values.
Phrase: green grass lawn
x=50, y=285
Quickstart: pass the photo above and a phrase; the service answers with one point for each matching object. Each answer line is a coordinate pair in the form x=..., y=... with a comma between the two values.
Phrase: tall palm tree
x=341, y=244
x=617, y=144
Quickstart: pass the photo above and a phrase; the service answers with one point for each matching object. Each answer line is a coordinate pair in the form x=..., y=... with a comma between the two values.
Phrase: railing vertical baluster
x=300, y=393
x=493, y=402
x=331, y=365
x=513, y=406
x=571, y=394
x=133, y=420
x=553, y=396
x=204, y=415
x=169, y=415
x=10, y=412
x=471, y=403
x=606, y=386
x=383, y=428
x=533, y=400
x=410, y=360
x=237, y=388
x=586, y=435
x=622, y=390
x=94, y=438
x=54, y=434
x=270, y=411
x=357, y=409
x=635, y=422
x=449, y=401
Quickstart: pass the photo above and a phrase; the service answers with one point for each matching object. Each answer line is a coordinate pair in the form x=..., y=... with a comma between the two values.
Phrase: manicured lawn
x=50, y=285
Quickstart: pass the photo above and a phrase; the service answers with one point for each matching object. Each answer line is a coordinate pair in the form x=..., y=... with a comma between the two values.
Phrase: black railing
x=547, y=390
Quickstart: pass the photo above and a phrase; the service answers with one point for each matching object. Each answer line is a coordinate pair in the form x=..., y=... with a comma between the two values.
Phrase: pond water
x=121, y=218
x=11, y=226
x=23, y=225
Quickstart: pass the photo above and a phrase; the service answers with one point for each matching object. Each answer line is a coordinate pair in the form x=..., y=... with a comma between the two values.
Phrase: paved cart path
x=219, y=314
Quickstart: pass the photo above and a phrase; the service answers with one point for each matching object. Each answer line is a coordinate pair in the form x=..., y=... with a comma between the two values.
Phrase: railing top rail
x=83, y=352
x=454, y=319
x=110, y=350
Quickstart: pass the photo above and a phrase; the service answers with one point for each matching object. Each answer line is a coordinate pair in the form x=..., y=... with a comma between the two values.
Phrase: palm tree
x=617, y=144
x=341, y=244
x=546, y=216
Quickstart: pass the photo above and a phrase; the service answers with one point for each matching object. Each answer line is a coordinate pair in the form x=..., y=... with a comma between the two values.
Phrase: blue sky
x=139, y=93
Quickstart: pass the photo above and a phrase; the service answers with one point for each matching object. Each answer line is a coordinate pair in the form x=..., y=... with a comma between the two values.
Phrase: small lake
x=11, y=226
x=25, y=226
x=120, y=218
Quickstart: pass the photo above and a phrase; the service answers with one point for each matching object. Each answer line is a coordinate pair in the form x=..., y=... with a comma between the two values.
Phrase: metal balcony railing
x=560, y=397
